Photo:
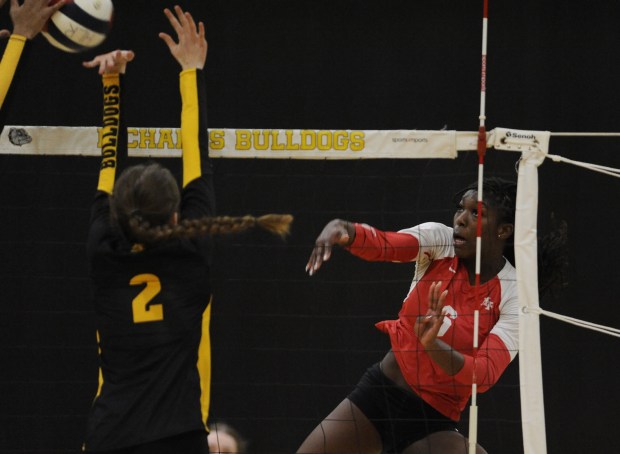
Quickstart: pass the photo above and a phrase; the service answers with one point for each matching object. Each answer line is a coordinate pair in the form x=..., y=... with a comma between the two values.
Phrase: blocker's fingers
x=129, y=55
x=107, y=63
x=181, y=16
x=55, y=7
x=191, y=24
x=173, y=21
x=167, y=39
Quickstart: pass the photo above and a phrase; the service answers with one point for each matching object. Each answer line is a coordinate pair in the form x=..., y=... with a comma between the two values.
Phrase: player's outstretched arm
x=111, y=65
x=191, y=49
x=28, y=20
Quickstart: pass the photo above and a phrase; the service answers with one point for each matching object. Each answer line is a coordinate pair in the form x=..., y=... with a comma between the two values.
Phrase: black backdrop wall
x=286, y=347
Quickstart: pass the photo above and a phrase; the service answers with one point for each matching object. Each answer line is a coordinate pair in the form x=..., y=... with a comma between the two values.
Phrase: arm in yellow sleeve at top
x=110, y=131
x=8, y=65
x=28, y=17
x=193, y=137
x=193, y=121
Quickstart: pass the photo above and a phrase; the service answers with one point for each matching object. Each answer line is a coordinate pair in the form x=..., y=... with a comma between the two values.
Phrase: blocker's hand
x=30, y=17
x=336, y=232
x=191, y=50
x=114, y=62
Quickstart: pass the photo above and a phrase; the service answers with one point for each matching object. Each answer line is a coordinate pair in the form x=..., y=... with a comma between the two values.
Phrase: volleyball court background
x=286, y=347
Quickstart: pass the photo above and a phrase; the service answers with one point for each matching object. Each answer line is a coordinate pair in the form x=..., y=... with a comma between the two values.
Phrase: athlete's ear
x=505, y=231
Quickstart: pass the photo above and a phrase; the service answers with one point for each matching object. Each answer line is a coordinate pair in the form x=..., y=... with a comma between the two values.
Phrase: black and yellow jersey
x=152, y=306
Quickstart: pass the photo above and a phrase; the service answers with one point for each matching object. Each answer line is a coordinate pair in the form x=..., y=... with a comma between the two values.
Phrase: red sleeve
x=489, y=364
x=375, y=245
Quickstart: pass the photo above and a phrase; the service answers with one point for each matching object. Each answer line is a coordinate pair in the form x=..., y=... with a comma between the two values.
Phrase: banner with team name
x=244, y=143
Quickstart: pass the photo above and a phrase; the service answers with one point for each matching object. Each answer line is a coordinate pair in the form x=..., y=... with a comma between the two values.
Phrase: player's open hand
x=427, y=326
x=191, y=50
x=30, y=17
x=336, y=232
x=114, y=62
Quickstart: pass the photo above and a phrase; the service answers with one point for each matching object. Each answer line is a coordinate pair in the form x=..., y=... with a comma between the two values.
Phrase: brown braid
x=146, y=197
x=278, y=224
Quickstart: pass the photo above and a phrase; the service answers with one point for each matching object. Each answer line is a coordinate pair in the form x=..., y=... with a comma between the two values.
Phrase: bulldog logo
x=19, y=136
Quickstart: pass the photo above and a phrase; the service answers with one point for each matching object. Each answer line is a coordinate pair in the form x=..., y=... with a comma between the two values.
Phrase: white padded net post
x=530, y=362
x=533, y=146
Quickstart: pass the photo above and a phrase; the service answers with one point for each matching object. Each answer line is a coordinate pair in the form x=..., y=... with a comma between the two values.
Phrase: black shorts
x=194, y=442
x=399, y=415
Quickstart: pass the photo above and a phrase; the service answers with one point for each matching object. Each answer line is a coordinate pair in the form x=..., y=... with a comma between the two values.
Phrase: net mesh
x=287, y=348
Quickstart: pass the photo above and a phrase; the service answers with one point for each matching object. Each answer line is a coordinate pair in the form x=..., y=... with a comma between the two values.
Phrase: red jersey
x=431, y=246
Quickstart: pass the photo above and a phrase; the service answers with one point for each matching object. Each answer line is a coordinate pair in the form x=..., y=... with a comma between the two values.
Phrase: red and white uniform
x=431, y=246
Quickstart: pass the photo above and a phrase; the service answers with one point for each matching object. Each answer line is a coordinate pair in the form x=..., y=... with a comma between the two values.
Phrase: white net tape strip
x=586, y=134
x=244, y=143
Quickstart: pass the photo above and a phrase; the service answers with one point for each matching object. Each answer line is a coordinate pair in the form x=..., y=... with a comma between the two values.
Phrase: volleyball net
x=530, y=149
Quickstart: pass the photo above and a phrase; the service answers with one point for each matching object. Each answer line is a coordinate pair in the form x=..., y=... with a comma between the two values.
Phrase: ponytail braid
x=145, y=198
x=142, y=231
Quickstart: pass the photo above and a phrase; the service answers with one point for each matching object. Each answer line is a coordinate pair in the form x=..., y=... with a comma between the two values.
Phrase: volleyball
x=79, y=25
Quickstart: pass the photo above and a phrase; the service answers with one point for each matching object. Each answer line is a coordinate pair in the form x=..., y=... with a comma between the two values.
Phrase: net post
x=530, y=361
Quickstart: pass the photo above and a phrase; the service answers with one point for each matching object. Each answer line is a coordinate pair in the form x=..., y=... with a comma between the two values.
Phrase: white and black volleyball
x=79, y=25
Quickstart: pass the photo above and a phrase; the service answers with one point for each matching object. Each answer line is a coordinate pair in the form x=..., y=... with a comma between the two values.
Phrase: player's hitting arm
x=194, y=134
x=9, y=62
x=110, y=131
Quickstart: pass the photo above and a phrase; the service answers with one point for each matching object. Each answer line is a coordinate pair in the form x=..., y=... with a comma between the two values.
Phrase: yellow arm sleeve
x=8, y=65
x=110, y=131
x=190, y=126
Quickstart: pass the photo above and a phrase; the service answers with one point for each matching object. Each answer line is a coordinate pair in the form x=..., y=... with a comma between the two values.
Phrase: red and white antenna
x=482, y=146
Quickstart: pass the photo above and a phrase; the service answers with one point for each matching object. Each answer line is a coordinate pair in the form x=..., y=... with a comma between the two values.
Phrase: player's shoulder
x=429, y=230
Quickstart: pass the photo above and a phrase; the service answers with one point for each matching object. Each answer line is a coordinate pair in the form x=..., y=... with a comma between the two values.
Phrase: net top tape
x=245, y=143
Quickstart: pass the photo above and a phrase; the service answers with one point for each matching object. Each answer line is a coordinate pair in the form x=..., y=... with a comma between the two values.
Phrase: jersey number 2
x=142, y=310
